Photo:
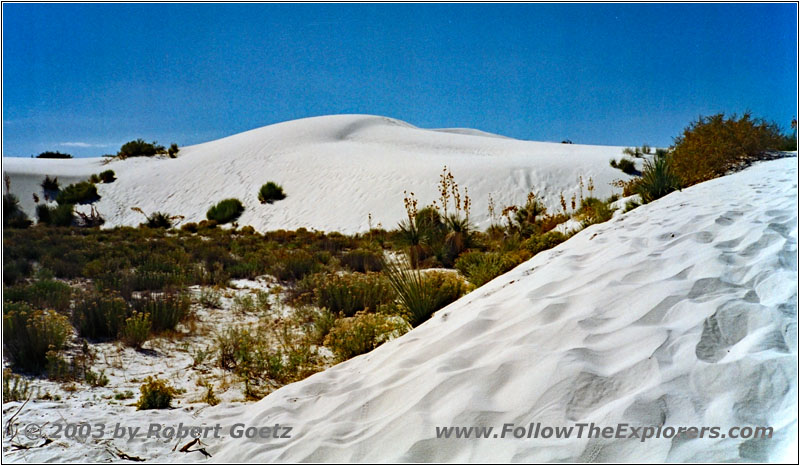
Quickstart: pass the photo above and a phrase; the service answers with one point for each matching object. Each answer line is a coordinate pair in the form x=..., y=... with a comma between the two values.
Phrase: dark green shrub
x=62, y=215
x=480, y=267
x=13, y=216
x=363, y=260
x=139, y=148
x=78, y=193
x=158, y=220
x=350, y=293
x=225, y=211
x=155, y=394
x=100, y=315
x=593, y=210
x=714, y=145
x=50, y=185
x=29, y=335
x=270, y=192
x=165, y=310
x=539, y=243
x=15, y=270
x=658, y=179
x=422, y=295
x=53, y=155
x=626, y=165
x=294, y=265
x=173, y=150
x=107, y=176
x=41, y=294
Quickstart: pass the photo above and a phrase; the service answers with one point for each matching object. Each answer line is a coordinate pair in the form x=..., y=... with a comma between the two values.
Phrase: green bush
x=50, y=185
x=53, y=155
x=349, y=293
x=136, y=329
x=100, y=315
x=165, y=310
x=41, y=294
x=107, y=176
x=363, y=260
x=62, y=215
x=714, y=145
x=28, y=335
x=225, y=211
x=593, y=210
x=13, y=216
x=626, y=165
x=270, y=192
x=480, y=268
x=139, y=148
x=173, y=150
x=78, y=193
x=351, y=336
x=158, y=220
x=294, y=265
x=539, y=243
x=658, y=179
x=155, y=394
x=422, y=295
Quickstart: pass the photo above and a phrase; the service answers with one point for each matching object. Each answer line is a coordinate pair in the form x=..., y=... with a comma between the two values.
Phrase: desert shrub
x=593, y=210
x=13, y=216
x=294, y=265
x=100, y=315
x=714, y=145
x=139, y=148
x=243, y=304
x=15, y=388
x=15, y=270
x=78, y=193
x=29, y=334
x=62, y=215
x=633, y=152
x=173, y=150
x=225, y=211
x=158, y=220
x=349, y=293
x=53, y=155
x=630, y=205
x=270, y=192
x=658, y=179
x=626, y=165
x=95, y=379
x=422, y=295
x=210, y=298
x=539, y=243
x=363, y=260
x=136, y=329
x=41, y=294
x=107, y=176
x=351, y=336
x=94, y=178
x=155, y=394
x=50, y=185
x=165, y=310
x=190, y=227
x=480, y=267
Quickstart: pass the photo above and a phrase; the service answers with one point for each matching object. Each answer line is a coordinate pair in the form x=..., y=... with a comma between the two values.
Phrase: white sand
x=335, y=170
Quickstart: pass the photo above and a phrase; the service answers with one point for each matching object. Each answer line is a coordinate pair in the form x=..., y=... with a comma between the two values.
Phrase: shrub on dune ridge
x=658, y=179
x=225, y=211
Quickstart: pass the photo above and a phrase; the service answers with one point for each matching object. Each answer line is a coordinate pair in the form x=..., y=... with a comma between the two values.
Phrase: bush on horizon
x=139, y=148
x=53, y=155
x=270, y=192
x=225, y=211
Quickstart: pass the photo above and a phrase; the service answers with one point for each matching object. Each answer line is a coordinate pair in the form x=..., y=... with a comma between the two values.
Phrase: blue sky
x=85, y=78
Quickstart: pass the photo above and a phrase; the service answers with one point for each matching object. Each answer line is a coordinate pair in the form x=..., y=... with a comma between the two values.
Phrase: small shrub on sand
x=28, y=335
x=100, y=315
x=593, y=210
x=78, y=193
x=136, y=329
x=351, y=336
x=139, y=148
x=658, y=179
x=155, y=394
x=62, y=215
x=107, y=176
x=626, y=165
x=15, y=388
x=225, y=211
x=539, y=243
x=349, y=293
x=480, y=267
x=50, y=185
x=165, y=310
x=363, y=260
x=270, y=192
x=422, y=295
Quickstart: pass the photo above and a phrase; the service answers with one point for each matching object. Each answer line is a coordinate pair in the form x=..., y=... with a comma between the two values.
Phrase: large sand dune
x=336, y=171
x=679, y=313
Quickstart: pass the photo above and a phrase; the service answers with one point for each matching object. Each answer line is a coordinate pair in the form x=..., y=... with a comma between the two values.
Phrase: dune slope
x=679, y=313
x=336, y=171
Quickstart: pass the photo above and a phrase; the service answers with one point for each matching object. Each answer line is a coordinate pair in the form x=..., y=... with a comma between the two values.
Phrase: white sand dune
x=336, y=171
x=679, y=313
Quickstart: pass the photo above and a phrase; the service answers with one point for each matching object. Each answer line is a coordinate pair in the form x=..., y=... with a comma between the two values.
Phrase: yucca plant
x=422, y=295
x=658, y=179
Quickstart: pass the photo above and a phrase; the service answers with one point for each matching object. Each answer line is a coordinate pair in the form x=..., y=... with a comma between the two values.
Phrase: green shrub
x=351, y=336
x=539, y=243
x=139, y=148
x=225, y=211
x=173, y=150
x=50, y=185
x=480, y=268
x=15, y=388
x=349, y=293
x=100, y=315
x=714, y=145
x=658, y=179
x=363, y=260
x=626, y=165
x=13, y=216
x=270, y=192
x=53, y=155
x=28, y=335
x=41, y=294
x=107, y=176
x=62, y=215
x=422, y=295
x=78, y=193
x=158, y=220
x=593, y=210
x=165, y=310
x=155, y=394
x=136, y=329
x=294, y=265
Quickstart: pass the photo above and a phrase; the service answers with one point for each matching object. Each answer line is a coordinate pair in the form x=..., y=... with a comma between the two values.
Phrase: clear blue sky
x=86, y=78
